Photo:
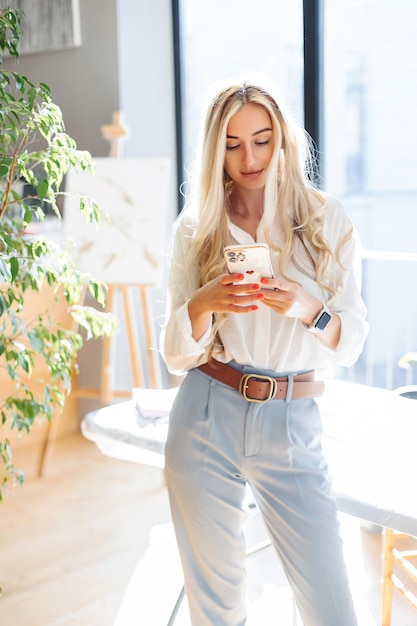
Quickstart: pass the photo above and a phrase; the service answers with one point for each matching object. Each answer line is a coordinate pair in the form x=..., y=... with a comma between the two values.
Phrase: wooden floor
x=91, y=544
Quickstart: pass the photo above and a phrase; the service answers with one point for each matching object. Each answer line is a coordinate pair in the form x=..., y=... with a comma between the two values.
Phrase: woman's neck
x=246, y=210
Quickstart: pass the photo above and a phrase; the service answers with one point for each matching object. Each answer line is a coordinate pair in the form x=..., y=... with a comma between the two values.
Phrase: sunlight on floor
x=351, y=534
x=157, y=582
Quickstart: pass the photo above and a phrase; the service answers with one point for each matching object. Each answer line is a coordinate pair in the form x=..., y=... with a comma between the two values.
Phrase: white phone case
x=252, y=260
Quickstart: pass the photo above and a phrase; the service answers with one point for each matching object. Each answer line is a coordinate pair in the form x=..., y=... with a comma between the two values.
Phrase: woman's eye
x=263, y=143
x=232, y=147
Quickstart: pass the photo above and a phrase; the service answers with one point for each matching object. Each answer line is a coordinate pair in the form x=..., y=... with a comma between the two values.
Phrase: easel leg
x=132, y=340
x=106, y=362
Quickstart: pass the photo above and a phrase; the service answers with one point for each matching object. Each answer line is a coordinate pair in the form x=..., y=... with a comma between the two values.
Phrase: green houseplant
x=36, y=151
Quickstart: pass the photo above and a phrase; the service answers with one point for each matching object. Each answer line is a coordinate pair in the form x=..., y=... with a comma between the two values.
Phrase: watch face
x=323, y=320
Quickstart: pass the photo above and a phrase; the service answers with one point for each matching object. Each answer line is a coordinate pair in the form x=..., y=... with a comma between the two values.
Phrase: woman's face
x=249, y=147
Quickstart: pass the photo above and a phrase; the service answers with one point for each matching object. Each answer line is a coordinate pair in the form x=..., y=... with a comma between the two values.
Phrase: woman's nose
x=248, y=156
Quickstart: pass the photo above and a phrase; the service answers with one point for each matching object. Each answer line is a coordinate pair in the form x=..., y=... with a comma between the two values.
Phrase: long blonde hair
x=288, y=193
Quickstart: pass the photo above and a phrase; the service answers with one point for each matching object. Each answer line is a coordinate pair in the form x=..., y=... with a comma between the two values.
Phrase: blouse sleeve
x=179, y=350
x=348, y=302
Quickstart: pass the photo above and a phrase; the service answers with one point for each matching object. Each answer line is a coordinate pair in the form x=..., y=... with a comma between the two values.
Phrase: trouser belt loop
x=289, y=388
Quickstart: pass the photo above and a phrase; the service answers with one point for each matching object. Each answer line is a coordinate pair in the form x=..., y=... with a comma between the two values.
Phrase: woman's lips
x=252, y=174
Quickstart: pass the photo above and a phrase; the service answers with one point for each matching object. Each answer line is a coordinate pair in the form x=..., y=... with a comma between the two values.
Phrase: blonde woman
x=255, y=355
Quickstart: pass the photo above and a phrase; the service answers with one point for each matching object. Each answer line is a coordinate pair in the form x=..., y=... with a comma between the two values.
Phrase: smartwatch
x=320, y=322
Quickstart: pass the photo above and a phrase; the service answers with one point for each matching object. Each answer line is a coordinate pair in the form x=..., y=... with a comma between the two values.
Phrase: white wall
x=146, y=81
x=83, y=80
x=125, y=62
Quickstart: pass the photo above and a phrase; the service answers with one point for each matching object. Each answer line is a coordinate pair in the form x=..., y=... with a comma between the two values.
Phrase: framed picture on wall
x=47, y=24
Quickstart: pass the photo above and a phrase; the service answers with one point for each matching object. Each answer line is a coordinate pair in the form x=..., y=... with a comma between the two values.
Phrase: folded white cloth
x=153, y=404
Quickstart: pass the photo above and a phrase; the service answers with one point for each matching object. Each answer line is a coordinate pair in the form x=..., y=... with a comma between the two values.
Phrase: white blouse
x=264, y=338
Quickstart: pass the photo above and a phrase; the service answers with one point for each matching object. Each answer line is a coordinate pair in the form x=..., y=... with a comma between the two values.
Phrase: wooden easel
x=144, y=363
x=139, y=364
x=142, y=347
x=115, y=133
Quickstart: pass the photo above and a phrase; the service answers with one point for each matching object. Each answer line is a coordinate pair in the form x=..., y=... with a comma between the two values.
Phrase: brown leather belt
x=261, y=388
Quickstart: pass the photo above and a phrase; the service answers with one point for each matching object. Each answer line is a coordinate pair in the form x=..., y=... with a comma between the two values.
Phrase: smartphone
x=252, y=260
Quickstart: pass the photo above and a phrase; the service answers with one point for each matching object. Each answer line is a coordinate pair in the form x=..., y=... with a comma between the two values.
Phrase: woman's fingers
x=235, y=296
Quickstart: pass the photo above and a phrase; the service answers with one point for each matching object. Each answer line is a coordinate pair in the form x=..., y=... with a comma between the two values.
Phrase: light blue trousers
x=217, y=442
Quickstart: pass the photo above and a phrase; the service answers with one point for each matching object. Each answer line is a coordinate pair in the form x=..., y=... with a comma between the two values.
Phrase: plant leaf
x=42, y=188
x=14, y=267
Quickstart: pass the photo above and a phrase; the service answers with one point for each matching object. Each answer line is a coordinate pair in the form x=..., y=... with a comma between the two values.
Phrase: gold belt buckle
x=244, y=385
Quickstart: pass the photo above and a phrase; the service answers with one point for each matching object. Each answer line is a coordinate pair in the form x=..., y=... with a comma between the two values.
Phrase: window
x=368, y=138
x=223, y=38
x=370, y=162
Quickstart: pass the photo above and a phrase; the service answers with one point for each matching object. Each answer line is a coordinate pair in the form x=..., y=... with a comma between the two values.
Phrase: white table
x=370, y=440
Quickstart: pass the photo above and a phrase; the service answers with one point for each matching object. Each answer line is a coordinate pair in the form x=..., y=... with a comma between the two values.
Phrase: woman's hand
x=291, y=300
x=223, y=294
